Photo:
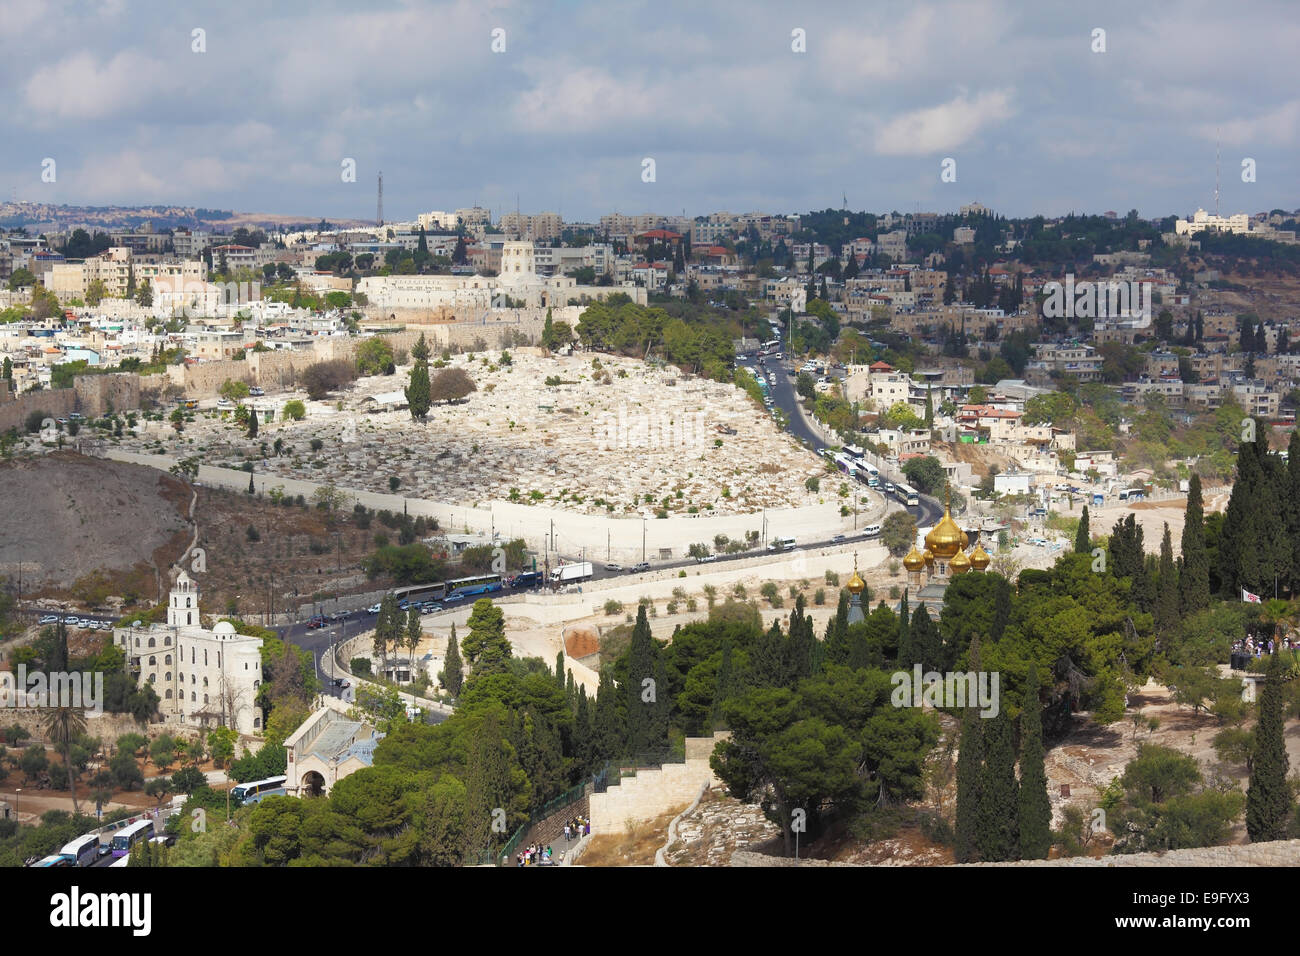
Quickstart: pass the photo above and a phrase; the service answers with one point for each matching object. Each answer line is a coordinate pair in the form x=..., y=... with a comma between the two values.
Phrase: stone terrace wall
x=57, y=403
x=1278, y=853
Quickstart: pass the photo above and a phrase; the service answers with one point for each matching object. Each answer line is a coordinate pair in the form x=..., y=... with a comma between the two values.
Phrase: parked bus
x=255, y=790
x=907, y=495
x=853, y=451
x=128, y=837
x=84, y=850
x=419, y=593
x=56, y=859
x=774, y=343
x=467, y=587
x=846, y=464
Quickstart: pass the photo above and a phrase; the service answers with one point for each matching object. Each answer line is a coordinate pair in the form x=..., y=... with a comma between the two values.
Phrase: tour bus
x=254, y=791
x=56, y=859
x=128, y=837
x=84, y=850
x=907, y=495
x=871, y=531
x=853, y=451
x=846, y=464
x=774, y=343
x=467, y=587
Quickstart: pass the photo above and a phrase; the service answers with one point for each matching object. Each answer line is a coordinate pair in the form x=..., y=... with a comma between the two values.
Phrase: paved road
x=784, y=397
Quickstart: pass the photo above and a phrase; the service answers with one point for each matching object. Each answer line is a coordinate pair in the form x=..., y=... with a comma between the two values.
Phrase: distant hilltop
x=49, y=217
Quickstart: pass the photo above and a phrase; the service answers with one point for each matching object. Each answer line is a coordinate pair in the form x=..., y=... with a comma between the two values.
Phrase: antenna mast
x=379, y=207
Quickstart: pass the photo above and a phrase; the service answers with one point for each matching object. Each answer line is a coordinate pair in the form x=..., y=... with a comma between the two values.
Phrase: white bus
x=907, y=495
x=128, y=837
x=853, y=451
x=84, y=850
x=255, y=790
x=774, y=343
x=847, y=465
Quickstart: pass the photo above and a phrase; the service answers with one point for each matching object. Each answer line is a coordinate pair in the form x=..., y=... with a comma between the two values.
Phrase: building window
x=169, y=693
x=152, y=642
x=153, y=662
x=167, y=659
x=189, y=617
x=205, y=657
x=137, y=642
x=168, y=678
x=192, y=697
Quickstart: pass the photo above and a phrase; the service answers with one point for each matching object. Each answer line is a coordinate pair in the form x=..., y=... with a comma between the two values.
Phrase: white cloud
x=82, y=87
x=943, y=127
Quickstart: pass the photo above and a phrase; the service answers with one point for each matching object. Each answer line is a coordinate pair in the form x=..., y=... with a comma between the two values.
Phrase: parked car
x=373, y=609
x=837, y=538
x=638, y=568
x=611, y=566
x=316, y=621
x=256, y=391
x=48, y=618
x=430, y=608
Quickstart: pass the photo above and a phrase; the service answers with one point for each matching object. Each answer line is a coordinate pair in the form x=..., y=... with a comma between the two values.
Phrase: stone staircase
x=655, y=791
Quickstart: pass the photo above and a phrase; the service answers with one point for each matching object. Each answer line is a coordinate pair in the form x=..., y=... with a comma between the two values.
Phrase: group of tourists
x=535, y=855
x=577, y=827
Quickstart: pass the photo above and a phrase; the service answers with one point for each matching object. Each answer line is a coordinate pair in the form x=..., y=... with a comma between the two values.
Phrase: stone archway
x=313, y=784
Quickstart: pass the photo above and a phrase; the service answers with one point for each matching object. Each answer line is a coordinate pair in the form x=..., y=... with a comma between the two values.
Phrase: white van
x=781, y=544
x=871, y=531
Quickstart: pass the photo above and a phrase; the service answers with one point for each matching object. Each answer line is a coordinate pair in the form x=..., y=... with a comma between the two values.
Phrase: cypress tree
x=647, y=724
x=721, y=686
x=1268, y=800
x=559, y=668
x=1001, y=608
x=1167, y=596
x=609, y=733
x=250, y=482
x=453, y=674
x=998, y=836
x=970, y=774
x=487, y=789
x=1194, y=575
x=582, y=739
x=252, y=423
x=1293, y=516
x=925, y=639
x=419, y=396
x=906, y=654
x=1035, y=807
x=1082, y=537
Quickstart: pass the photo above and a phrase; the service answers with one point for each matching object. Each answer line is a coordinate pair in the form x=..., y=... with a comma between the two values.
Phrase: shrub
x=294, y=410
x=819, y=596
x=613, y=607
x=324, y=377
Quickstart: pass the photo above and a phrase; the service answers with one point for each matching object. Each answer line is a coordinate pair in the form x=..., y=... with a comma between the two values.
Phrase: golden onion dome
x=856, y=584
x=945, y=538
x=914, y=560
x=959, y=564
x=979, y=558
x=929, y=558
x=965, y=541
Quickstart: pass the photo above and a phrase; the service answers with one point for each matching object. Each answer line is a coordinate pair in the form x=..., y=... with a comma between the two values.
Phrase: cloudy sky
x=584, y=92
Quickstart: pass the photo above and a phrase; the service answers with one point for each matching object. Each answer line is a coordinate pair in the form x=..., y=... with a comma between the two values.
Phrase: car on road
x=256, y=392
x=339, y=616
x=225, y=403
x=706, y=558
x=638, y=568
x=889, y=486
x=611, y=566
x=48, y=618
x=373, y=609
x=340, y=682
x=835, y=539
x=430, y=607
x=317, y=621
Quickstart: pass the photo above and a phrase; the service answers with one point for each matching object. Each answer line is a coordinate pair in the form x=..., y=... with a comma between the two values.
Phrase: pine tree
x=970, y=775
x=1268, y=800
x=1083, y=537
x=721, y=686
x=999, y=833
x=1035, y=807
x=1167, y=599
x=419, y=396
x=453, y=675
x=1194, y=574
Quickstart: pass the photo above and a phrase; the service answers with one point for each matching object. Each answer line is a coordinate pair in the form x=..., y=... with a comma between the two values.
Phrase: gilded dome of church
x=914, y=561
x=945, y=538
x=929, y=558
x=979, y=558
x=856, y=584
x=959, y=564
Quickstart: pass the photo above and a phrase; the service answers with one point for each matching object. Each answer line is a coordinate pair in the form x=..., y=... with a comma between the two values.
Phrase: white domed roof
x=225, y=628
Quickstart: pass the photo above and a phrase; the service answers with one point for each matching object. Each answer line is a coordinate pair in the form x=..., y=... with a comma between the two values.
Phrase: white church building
x=203, y=678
